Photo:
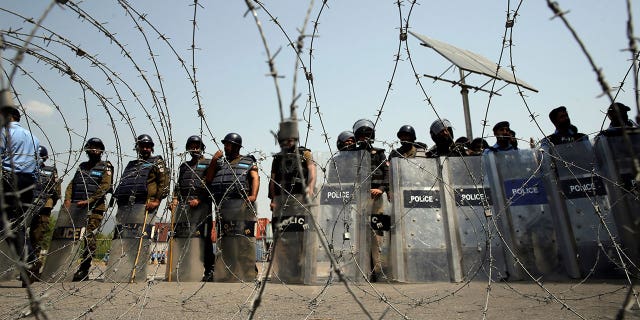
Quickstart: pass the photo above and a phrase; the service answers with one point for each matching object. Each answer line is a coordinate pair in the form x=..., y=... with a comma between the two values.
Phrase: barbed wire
x=154, y=104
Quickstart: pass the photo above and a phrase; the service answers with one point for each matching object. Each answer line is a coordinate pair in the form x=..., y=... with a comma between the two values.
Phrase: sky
x=355, y=48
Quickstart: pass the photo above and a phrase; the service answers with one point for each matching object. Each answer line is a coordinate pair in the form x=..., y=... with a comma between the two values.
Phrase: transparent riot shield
x=343, y=215
x=130, y=248
x=8, y=260
x=469, y=203
x=236, y=243
x=420, y=242
x=522, y=209
x=616, y=157
x=579, y=200
x=64, y=255
x=295, y=248
x=186, y=252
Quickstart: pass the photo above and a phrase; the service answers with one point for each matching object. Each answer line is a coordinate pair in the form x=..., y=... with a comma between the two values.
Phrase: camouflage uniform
x=48, y=192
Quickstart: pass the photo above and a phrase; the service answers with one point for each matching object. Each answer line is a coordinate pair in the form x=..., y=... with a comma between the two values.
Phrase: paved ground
x=157, y=299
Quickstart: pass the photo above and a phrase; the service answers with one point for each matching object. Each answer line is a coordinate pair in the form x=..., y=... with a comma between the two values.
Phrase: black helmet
x=408, y=130
x=43, y=152
x=364, y=127
x=94, y=143
x=194, y=139
x=233, y=138
x=343, y=137
x=144, y=139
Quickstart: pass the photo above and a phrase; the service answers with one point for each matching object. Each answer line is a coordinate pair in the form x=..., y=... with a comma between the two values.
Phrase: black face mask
x=406, y=144
x=196, y=154
x=93, y=157
x=443, y=141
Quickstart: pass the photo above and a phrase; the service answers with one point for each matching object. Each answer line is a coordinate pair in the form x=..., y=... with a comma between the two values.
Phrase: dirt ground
x=157, y=299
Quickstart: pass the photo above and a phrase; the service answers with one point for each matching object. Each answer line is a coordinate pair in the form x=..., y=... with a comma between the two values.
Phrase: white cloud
x=38, y=108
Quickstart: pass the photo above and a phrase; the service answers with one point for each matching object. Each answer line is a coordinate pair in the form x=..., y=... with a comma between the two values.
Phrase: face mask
x=406, y=144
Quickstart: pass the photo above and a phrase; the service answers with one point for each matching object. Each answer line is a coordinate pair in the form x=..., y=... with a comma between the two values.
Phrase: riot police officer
x=192, y=195
x=234, y=184
x=45, y=195
x=442, y=134
x=346, y=141
x=364, y=131
x=409, y=148
x=293, y=175
x=88, y=189
x=143, y=185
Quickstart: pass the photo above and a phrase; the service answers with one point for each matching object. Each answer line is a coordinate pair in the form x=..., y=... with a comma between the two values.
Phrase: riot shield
x=63, y=257
x=236, y=243
x=186, y=262
x=420, y=242
x=343, y=216
x=579, y=200
x=295, y=248
x=522, y=209
x=130, y=246
x=616, y=157
x=468, y=196
x=8, y=260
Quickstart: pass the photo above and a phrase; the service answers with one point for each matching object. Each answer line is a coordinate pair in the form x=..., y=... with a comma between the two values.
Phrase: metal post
x=465, y=105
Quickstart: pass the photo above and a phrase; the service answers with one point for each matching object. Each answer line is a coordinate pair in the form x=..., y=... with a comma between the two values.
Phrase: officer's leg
x=95, y=220
x=209, y=257
x=37, y=230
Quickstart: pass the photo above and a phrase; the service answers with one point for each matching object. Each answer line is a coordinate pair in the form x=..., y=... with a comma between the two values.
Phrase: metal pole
x=465, y=105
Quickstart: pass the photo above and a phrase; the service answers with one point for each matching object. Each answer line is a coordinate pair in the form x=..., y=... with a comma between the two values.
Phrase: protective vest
x=45, y=184
x=231, y=180
x=133, y=182
x=87, y=180
x=191, y=179
x=287, y=174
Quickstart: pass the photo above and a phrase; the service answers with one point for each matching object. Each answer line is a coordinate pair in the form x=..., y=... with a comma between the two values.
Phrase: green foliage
x=103, y=243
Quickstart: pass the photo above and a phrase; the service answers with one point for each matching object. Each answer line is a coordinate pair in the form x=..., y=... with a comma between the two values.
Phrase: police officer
x=46, y=195
x=234, y=184
x=504, y=140
x=565, y=132
x=293, y=175
x=442, y=134
x=143, y=185
x=88, y=189
x=409, y=148
x=18, y=151
x=191, y=191
x=346, y=141
x=618, y=114
x=364, y=131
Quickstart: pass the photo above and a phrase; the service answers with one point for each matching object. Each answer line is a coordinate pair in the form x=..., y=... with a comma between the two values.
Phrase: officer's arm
x=103, y=188
x=311, y=179
x=213, y=166
x=255, y=182
x=55, y=196
x=163, y=181
x=68, y=195
x=272, y=186
x=384, y=166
